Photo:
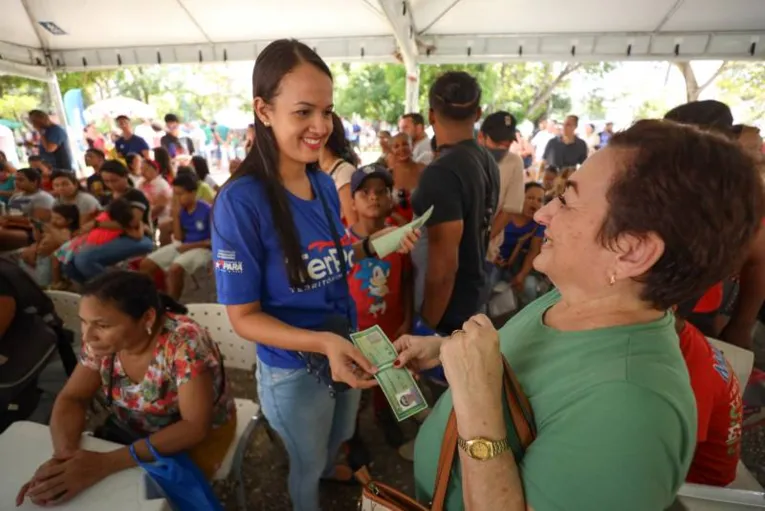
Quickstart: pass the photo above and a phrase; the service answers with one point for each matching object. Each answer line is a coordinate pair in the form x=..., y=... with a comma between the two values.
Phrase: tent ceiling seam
x=439, y=16
x=194, y=21
x=671, y=12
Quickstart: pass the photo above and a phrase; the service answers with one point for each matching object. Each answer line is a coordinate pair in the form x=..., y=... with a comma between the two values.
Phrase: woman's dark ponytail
x=169, y=304
x=131, y=293
x=262, y=161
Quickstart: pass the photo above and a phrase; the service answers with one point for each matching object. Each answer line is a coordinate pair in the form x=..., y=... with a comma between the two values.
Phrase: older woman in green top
x=660, y=214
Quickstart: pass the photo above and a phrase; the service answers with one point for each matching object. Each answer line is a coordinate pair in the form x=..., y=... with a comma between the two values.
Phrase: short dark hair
x=120, y=211
x=31, y=174
x=553, y=169
x=532, y=184
x=37, y=113
x=71, y=213
x=200, y=166
x=698, y=191
x=186, y=179
x=97, y=152
x=416, y=118
x=67, y=174
x=3, y=156
x=120, y=117
x=456, y=95
x=171, y=118
x=37, y=158
x=575, y=117
x=708, y=114
x=115, y=167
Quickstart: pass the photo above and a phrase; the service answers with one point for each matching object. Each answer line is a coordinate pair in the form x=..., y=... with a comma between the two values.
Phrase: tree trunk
x=692, y=88
x=544, y=93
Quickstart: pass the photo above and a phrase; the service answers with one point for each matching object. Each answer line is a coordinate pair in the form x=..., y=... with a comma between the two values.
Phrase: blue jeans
x=311, y=424
x=93, y=261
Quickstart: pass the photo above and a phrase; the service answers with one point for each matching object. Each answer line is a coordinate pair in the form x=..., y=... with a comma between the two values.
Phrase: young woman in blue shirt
x=279, y=273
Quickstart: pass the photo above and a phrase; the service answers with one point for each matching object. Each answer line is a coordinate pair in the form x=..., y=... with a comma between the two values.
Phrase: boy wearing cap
x=383, y=289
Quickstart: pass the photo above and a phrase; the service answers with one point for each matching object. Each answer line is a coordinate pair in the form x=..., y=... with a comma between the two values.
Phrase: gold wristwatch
x=483, y=449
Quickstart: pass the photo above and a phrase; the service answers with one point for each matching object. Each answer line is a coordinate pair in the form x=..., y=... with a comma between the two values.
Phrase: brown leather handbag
x=377, y=496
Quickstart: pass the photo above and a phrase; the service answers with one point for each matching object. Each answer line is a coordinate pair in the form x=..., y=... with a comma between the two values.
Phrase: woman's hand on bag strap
x=473, y=367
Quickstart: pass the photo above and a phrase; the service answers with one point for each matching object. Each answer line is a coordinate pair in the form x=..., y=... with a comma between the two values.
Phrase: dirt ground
x=266, y=468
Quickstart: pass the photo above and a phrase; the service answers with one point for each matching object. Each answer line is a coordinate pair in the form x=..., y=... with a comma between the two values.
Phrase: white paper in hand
x=389, y=243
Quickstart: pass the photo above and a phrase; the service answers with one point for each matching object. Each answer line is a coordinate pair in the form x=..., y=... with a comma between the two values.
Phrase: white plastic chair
x=239, y=354
x=67, y=306
x=744, y=490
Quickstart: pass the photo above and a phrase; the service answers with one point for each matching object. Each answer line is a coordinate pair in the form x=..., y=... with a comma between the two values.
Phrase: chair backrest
x=68, y=309
x=237, y=352
x=741, y=360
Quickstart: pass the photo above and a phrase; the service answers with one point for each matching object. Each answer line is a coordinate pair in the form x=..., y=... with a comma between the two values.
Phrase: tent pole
x=58, y=104
x=412, y=98
x=55, y=96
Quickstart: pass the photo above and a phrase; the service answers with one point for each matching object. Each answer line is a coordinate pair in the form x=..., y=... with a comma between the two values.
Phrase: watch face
x=479, y=450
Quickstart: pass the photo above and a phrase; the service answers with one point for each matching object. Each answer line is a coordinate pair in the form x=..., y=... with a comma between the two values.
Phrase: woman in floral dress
x=163, y=378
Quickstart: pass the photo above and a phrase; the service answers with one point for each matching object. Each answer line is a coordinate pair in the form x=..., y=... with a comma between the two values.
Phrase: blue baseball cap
x=368, y=171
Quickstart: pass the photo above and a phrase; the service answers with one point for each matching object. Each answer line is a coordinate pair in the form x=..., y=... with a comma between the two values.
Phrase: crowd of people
x=622, y=250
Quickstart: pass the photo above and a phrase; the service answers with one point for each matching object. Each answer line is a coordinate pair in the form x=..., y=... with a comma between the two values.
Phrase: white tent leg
x=412, y=98
x=58, y=104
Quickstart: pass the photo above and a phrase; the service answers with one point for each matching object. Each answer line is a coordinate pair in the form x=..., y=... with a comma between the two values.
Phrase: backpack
x=30, y=342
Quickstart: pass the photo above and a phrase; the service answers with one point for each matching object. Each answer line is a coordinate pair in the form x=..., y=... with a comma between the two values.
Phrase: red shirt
x=718, y=400
x=377, y=288
x=403, y=205
x=711, y=301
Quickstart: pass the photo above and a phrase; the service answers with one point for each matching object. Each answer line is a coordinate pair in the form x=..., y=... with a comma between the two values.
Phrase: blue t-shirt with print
x=513, y=234
x=196, y=225
x=249, y=262
x=134, y=144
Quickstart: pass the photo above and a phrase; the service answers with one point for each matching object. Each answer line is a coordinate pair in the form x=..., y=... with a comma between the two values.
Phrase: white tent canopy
x=72, y=35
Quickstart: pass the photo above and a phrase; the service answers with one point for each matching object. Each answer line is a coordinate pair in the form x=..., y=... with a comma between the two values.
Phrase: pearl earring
x=612, y=280
x=148, y=330
x=266, y=124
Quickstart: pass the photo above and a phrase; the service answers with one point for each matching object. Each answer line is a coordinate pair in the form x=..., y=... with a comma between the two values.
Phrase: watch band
x=488, y=448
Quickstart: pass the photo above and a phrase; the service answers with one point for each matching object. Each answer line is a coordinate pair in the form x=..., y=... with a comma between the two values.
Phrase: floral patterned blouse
x=183, y=350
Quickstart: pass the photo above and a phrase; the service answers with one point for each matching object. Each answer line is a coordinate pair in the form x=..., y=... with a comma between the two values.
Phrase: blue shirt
x=61, y=158
x=134, y=144
x=513, y=234
x=196, y=225
x=249, y=262
x=7, y=186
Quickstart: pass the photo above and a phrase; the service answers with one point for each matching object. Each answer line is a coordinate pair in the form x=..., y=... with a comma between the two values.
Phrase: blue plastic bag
x=180, y=481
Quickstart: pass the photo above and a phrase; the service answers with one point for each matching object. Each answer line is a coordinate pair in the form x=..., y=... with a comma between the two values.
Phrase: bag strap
x=523, y=421
x=338, y=245
x=334, y=168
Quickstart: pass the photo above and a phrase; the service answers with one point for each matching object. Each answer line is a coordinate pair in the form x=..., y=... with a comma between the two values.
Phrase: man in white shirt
x=547, y=131
x=497, y=133
x=8, y=146
x=413, y=124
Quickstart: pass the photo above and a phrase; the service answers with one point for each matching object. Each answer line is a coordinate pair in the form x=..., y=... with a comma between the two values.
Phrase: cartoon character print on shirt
x=373, y=274
x=723, y=368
